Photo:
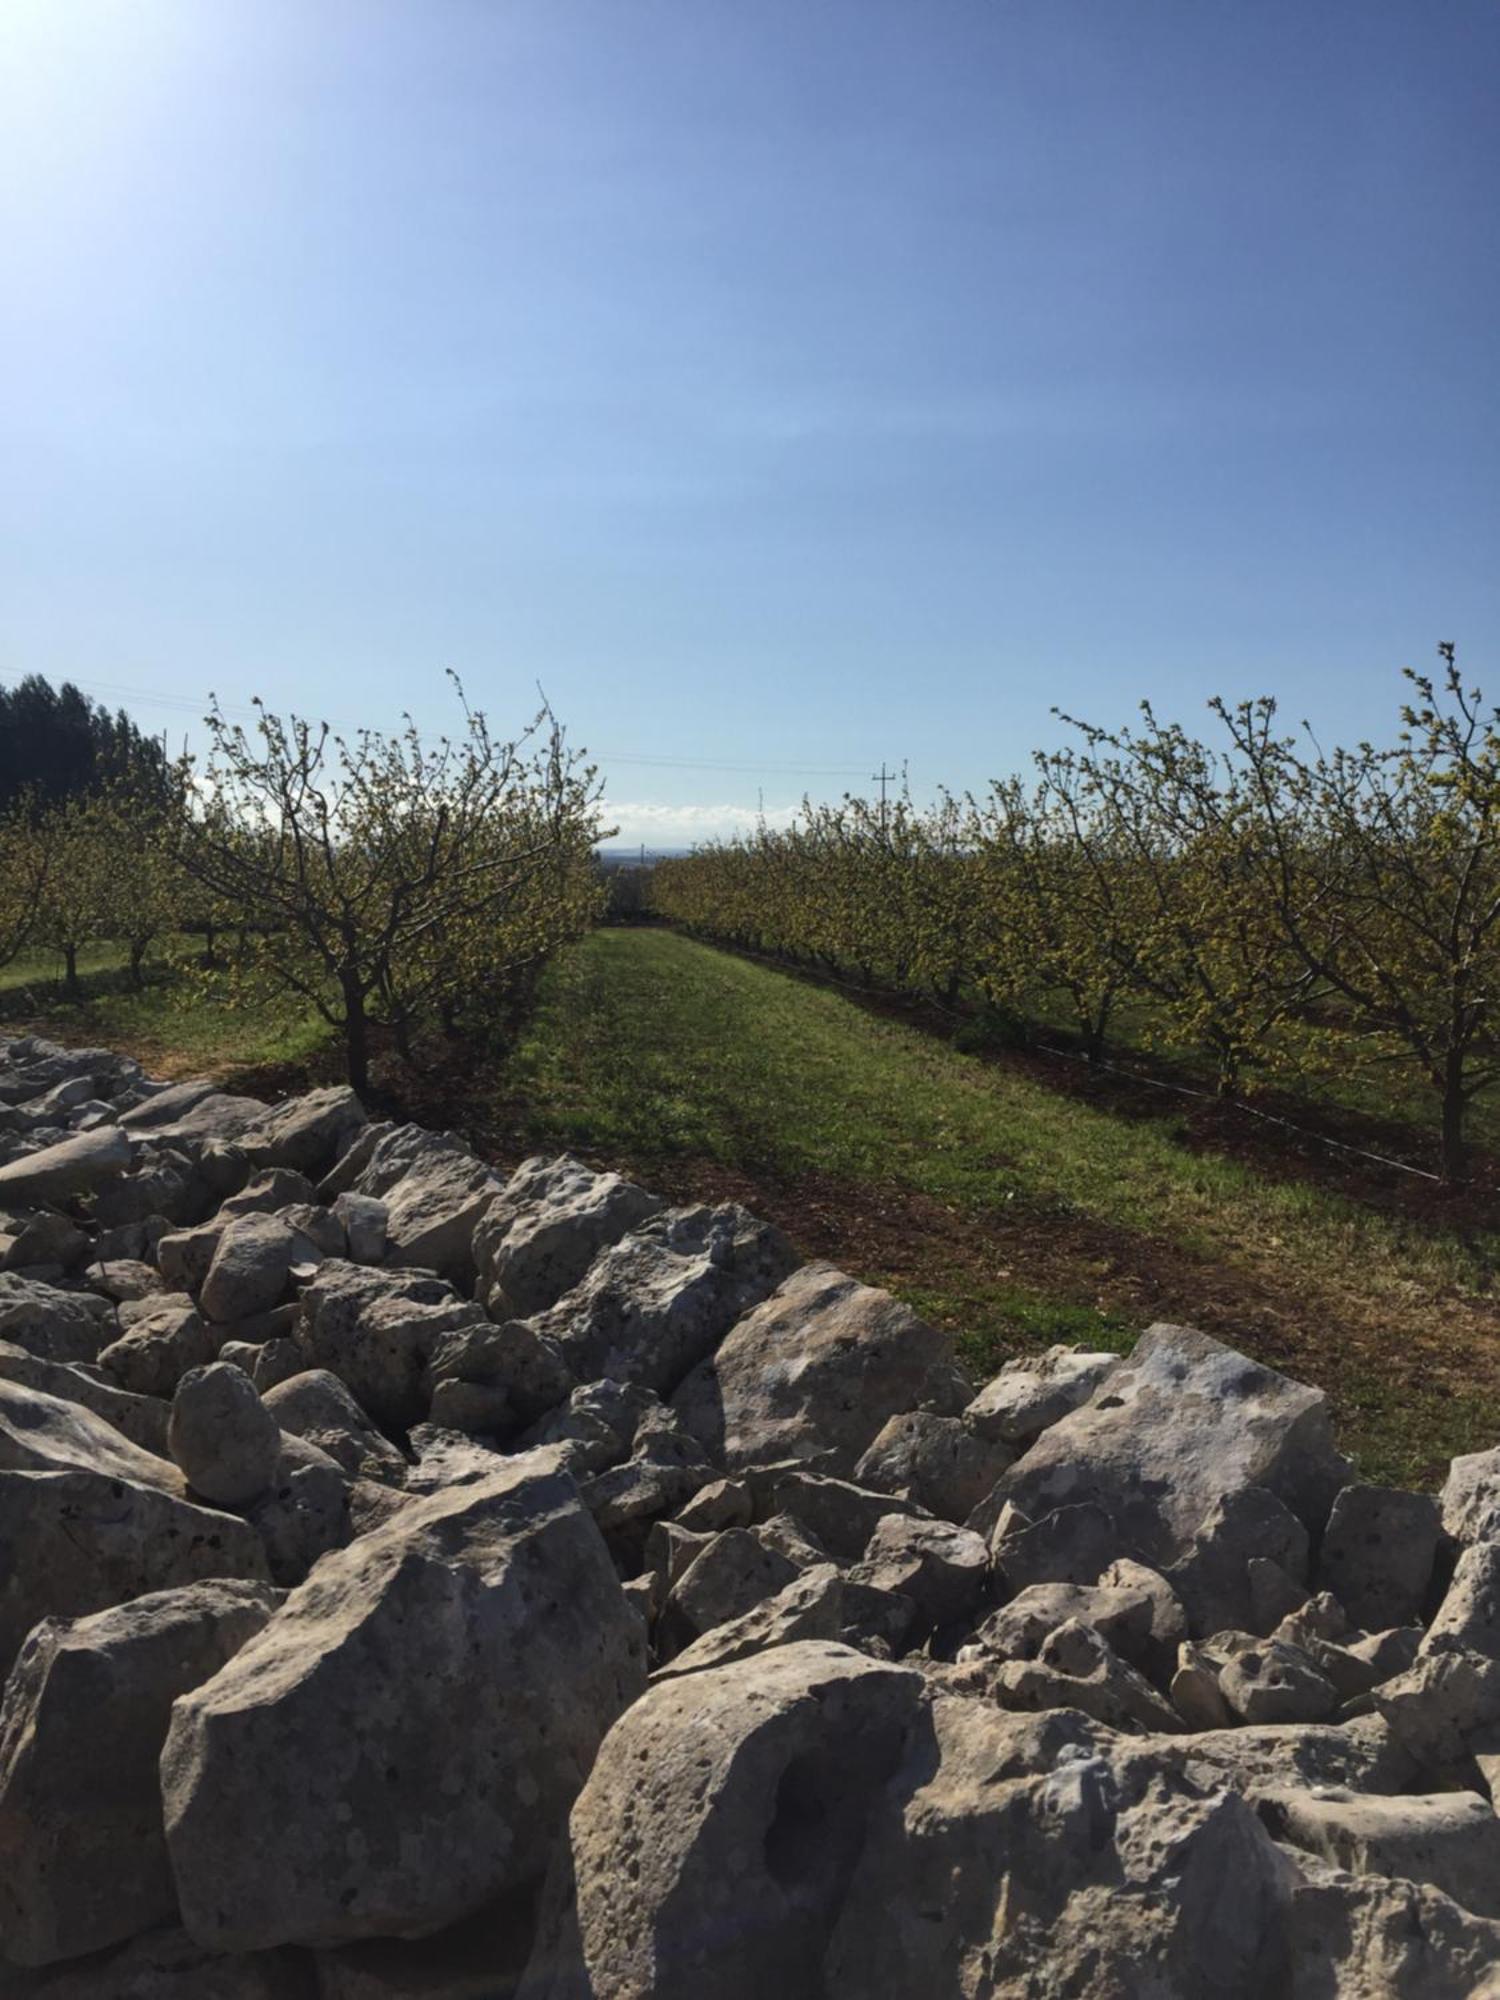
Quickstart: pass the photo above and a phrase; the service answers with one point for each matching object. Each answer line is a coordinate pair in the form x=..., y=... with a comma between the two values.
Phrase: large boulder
x=1448, y=1839
x=1034, y=1391
x=223, y=1437
x=435, y=1191
x=403, y=1742
x=661, y=1299
x=76, y=1542
x=1377, y=1554
x=543, y=1230
x=709, y=1851
x=83, y=1858
x=940, y=1462
x=1185, y=1427
x=251, y=1267
x=1470, y=1498
x=166, y=1338
x=51, y=1324
x=316, y=1406
x=72, y=1167
x=815, y=1372
x=142, y=1419
x=377, y=1330
x=42, y=1433
x=166, y=1965
x=306, y=1133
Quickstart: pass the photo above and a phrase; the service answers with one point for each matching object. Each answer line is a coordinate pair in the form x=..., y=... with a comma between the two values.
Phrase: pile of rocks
x=415, y=1582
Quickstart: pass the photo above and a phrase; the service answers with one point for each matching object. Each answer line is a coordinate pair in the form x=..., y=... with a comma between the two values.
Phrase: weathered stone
x=541, y=1233
x=123, y=1278
x=53, y=1325
x=251, y=1267
x=1034, y=1391
x=839, y=1516
x=1470, y=1499
x=307, y=1133
x=167, y=1339
x=76, y=1542
x=222, y=1435
x=1194, y=1690
x=723, y=1503
x=727, y=1578
x=1377, y=1553
x=303, y=1512
x=1450, y=1840
x=434, y=1209
x=940, y=1567
x=83, y=1859
x=268, y=1193
x=1369, y=1938
x=664, y=1469
x=1068, y=1545
x=815, y=1372
x=1033, y=1856
x=1244, y=1566
x=1179, y=1429
x=1469, y=1616
x=481, y=1958
x=1440, y=1708
x=939, y=1462
x=167, y=1965
x=1018, y=1629
x=315, y=1405
x=72, y=1167
x=661, y=1299
x=495, y=1380
x=365, y=1221
x=811, y=1606
x=403, y=1742
x=376, y=1330
x=142, y=1419
x=183, y=1256
x=722, y=1870
x=1075, y=1667
x=1274, y=1682
x=43, y=1433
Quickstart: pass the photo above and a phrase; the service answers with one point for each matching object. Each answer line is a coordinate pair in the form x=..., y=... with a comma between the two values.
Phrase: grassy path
x=1008, y=1212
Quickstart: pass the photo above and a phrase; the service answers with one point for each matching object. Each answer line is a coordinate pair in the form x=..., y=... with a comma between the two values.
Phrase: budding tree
x=360, y=869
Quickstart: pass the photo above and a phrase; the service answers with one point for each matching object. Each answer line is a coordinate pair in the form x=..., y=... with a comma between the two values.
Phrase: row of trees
x=379, y=881
x=1252, y=897
x=57, y=744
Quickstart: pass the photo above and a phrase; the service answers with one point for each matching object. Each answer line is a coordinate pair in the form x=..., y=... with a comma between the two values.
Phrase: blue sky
x=787, y=384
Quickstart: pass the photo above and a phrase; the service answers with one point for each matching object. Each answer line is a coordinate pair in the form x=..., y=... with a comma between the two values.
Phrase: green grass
x=651, y=1048
x=179, y=1023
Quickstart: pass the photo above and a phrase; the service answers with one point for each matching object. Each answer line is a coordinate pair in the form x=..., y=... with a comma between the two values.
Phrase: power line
x=647, y=759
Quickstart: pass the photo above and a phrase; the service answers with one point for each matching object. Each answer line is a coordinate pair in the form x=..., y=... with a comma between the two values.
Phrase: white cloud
x=681, y=826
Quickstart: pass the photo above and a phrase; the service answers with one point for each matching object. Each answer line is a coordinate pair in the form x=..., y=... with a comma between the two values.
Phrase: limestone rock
x=1470, y=1498
x=314, y=1404
x=165, y=1340
x=1450, y=1840
x=1034, y=1391
x=1182, y=1426
x=222, y=1435
x=732, y=1574
x=404, y=1740
x=83, y=1859
x=251, y=1267
x=940, y=1567
x=722, y=1870
x=76, y=1542
x=53, y=1325
x=72, y=1167
x=940, y=1462
x=661, y=1299
x=811, y=1606
x=1469, y=1616
x=42, y=1433
x=307, y=1133
x=142, y=1419
x=540, y=1234
x=815, y=1372
x=1377, y=1554
x=167, y=1965
x=376, y=1330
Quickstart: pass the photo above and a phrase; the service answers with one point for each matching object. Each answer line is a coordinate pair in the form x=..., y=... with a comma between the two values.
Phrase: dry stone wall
x=415, y=1581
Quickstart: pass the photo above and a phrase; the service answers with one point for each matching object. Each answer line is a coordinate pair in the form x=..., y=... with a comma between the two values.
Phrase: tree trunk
x=1455, y=1151
x=356, y=1040
x=137, y=954
x=70, y=974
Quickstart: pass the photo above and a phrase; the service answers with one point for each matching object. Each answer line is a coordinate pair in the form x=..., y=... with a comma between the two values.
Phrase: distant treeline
x=1257, y=898
x=57, y=744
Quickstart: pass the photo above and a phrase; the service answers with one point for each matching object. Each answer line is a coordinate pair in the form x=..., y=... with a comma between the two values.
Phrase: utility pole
x=882, y=777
